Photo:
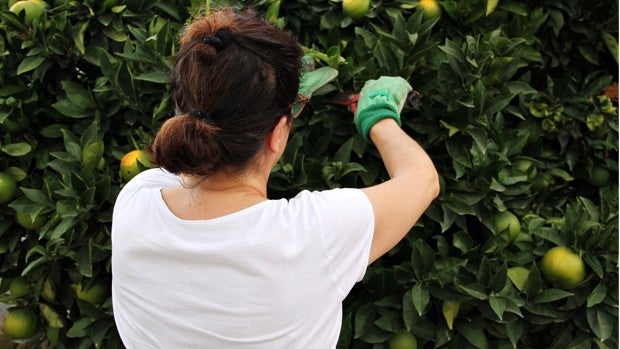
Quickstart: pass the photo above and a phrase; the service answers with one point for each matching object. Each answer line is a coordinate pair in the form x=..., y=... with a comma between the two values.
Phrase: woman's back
x=272, y=275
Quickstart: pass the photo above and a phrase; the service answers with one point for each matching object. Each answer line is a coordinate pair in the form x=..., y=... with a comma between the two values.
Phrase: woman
x=201, y=257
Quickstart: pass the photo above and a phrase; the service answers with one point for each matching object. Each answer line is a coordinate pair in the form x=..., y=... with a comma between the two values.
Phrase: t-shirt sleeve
x=347, y=222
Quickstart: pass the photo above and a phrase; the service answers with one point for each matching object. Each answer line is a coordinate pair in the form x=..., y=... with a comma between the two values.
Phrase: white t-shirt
x=273, y=275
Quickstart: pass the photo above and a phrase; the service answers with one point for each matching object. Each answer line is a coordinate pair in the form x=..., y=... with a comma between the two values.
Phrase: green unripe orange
x=356, y=9
x=507, y=221
x=8, y=187
x=599, y=177
x=96, y=294
x=32, y=9
x=402, y=340
x=20, y=324
x=26, y=221
x=19, y=287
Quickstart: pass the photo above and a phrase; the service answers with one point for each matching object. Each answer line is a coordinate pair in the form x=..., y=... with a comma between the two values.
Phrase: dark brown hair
x=234, y=77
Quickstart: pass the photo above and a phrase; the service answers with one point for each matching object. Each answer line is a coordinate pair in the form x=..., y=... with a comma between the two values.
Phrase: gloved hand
x=380, y=99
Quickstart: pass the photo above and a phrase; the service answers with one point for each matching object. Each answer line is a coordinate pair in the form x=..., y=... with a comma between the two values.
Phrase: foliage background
x=525, y=80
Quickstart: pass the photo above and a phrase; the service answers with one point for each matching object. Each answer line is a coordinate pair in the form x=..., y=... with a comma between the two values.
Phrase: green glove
x=378, y=100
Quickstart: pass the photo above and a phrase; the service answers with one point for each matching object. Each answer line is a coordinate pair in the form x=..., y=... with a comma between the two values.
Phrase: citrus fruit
x=26, y=221
x=96, y=294
x=542, y=182
x=32, y=9
x=20, y=324
x=19, y=287
x=599, y=177
x=563, y=268
x=133, y=163
x=430, y=9
x=507, y=221
x=8, y=187
x=402, y=340
x=526, y=167
x=356, y=9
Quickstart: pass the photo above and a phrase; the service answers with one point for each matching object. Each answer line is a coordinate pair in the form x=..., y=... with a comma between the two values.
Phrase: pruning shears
x=314, y=79
x=350, y=99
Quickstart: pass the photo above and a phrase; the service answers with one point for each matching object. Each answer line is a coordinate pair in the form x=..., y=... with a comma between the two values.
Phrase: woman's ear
x=276, y=140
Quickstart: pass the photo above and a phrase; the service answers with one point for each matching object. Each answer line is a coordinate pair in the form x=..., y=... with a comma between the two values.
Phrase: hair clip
x=200, y=114
x=220, y=40
x=213, y=41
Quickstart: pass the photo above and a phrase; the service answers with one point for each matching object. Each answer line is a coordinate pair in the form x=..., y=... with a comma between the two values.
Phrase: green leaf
x=10, y=90
x=389, y=322
x=68, y=108
x=550, y=295
x=364, y=317
x=600, y=322
x=420, y=298
x=450, y=310
x=533, y=284
x=78, y=95
x=498, y=305
x=79, y=328
x=459, y=207
x=29, y=63
x=496, y=104
x=117, y=36
x=597, y=295
x=37, y=197
x=85, y=260
x=63, y=227
x=157, y=76
x=473, y=333
x=118, y=8
x=612, y=44
x=491, y=5
x=452, y=130
x=475, y=290
x=92, y=154
x=78, y=36
x=32, y=265
x=463, y=241
x=52, y=317
x=520, y=87
x=422, y=257
x=589, y=54
x=518, y=275
x=514, y=330
x=344, y=152
x=410, y=314
x=17, y=149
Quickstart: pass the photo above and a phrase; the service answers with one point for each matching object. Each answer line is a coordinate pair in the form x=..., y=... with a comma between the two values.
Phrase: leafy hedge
x=517, y=109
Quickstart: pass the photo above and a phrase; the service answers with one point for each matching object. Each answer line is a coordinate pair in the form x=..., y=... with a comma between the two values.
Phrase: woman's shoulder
x=337, y=195
x=149, y=179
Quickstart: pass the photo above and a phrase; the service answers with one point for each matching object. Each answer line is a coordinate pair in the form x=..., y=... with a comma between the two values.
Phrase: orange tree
x=517, y=106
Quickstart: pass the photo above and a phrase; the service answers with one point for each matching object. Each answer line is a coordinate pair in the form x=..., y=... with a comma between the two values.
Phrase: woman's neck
x=228, y=184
